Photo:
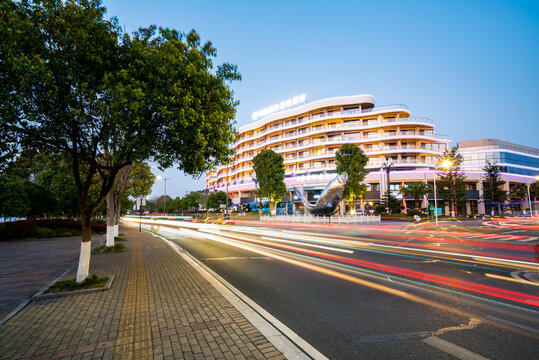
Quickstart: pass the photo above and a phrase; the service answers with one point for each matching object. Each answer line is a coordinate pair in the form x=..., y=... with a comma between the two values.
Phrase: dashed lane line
x=450, y=348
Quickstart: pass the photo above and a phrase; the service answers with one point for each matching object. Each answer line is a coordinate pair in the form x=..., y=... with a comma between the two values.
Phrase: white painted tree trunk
x=84, y=260
x=110, y=235
x=111, y=214
x=116, y=230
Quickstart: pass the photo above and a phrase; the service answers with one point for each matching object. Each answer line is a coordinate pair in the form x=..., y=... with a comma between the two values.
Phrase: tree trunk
x=111, y=215
x=85, y=246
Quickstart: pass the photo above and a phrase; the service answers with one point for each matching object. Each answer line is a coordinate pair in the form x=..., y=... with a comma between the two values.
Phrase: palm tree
x=417, y=190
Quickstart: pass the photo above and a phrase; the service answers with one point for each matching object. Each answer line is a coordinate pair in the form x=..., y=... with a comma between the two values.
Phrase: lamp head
x=446, y=164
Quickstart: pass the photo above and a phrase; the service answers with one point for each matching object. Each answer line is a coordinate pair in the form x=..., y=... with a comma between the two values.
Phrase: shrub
x=92, y=281
x=119, y=238
x=43, y=232
x=17, y=229
x=379, y=209
x=413, y=212
x=105, y=249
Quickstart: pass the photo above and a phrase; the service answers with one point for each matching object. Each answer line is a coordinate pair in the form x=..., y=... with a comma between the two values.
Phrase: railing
x=307, y=218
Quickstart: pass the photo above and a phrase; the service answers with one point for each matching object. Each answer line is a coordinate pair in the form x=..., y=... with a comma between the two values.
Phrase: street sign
x=141, y=201
x=222, y=206
x=330, y=203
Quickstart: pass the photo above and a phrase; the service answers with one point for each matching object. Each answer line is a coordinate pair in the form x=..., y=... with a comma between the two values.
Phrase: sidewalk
x=159, y=307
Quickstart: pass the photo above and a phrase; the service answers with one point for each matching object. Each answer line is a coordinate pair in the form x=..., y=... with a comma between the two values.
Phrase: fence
x=358, y=219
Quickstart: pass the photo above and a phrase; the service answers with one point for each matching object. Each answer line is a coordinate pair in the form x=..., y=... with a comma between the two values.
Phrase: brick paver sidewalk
x=158, y=307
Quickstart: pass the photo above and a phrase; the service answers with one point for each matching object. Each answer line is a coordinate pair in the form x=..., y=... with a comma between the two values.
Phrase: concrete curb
x=291, y=345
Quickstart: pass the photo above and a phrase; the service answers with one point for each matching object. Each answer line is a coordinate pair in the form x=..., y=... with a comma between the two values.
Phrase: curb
x=291, y=345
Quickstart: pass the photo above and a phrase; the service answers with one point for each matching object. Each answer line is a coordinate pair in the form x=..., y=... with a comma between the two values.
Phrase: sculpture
x=330, y=198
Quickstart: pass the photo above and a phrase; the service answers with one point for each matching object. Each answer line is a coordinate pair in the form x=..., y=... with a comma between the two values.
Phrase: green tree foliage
x=390, y=203
x=216, y=199
x=492, y=186
x=351, y=159
x=13, y=200
x=269, y=169
x=451, y=185
x=417, y=190
x=140, y=180
x=193, y=199
x=73, y=83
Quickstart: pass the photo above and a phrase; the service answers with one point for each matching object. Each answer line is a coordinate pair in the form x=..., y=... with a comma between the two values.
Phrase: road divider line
x=452, y=349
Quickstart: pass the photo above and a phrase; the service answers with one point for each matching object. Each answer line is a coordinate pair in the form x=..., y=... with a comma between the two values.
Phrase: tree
x=193, y=199
x=216, y=199
x=390, y=202
x=13, y=200
x=417, y=190
x=451, y=184
x=351, y=159
x=269, y=169
x=74, y=84
x=137, y=180
x=492, y=187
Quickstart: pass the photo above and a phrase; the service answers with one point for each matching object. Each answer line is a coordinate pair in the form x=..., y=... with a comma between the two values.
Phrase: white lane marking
x=517, y=325
x=450, y=348
x=291, y=345
x=238, y=258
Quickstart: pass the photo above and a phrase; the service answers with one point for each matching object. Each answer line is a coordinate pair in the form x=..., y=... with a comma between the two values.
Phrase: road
x=385, y=291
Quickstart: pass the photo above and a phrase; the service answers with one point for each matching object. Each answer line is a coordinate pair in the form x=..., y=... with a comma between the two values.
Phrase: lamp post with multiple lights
x=387, y=165
x=444, y=164
x=165, y=198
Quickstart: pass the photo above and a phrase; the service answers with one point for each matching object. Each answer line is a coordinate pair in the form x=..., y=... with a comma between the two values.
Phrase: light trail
x=360, y=281
x=506, y=278
x=441, y=280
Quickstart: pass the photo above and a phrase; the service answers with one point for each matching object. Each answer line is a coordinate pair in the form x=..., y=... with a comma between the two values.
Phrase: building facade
x=307, y=136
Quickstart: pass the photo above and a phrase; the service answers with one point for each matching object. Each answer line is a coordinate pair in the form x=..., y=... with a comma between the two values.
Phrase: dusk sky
x=471, y=66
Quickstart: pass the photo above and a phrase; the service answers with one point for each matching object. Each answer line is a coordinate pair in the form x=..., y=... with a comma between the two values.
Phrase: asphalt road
x=386, y=292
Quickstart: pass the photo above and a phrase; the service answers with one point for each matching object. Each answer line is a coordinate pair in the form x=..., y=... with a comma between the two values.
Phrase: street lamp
x=165, y=198
x=529, y=197
x=387, y=165
x=226, y=209
x=444, y=164
x=256, y=190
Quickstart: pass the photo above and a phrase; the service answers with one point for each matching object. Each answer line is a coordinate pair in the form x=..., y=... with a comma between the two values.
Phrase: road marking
x=452, y=349
x=238, y=258
x=520, y=326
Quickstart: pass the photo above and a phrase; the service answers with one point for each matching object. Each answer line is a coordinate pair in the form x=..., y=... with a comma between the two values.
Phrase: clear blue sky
x=471, y=66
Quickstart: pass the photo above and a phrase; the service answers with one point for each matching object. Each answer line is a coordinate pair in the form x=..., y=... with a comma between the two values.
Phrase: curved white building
x=308, y=135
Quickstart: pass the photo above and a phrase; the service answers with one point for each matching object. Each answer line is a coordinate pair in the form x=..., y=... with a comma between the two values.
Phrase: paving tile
x=158, y=307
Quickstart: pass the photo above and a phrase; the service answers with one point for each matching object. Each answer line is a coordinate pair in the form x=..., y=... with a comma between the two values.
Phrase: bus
x=283, y=208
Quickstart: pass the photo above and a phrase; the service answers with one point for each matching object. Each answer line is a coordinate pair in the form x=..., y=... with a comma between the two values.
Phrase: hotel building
x=307, y=136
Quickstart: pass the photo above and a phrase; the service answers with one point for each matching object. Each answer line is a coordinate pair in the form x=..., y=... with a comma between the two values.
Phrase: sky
x=471, y=66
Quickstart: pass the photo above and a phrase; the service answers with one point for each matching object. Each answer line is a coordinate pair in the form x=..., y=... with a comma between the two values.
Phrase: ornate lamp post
x=444, y=164
x=387, y=165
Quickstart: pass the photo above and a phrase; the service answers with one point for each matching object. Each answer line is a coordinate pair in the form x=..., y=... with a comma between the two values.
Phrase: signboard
x=141, y=201
x=222, y=206
x=330, y=203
